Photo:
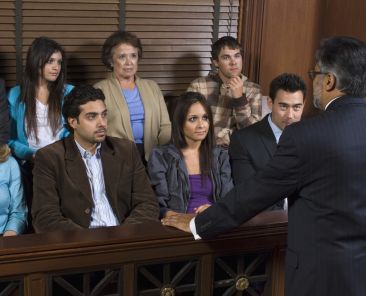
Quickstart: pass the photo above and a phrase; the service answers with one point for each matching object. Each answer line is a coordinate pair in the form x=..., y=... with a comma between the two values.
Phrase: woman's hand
x=169, y=213
x=9, y=233
x=200, y=209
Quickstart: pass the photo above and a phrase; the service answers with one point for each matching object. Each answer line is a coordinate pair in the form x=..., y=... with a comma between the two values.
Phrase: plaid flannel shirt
x=229, y=114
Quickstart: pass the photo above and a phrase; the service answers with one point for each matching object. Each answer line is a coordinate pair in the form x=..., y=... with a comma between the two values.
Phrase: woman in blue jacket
x=191, y=173
x=35, y=105
x=13, y=211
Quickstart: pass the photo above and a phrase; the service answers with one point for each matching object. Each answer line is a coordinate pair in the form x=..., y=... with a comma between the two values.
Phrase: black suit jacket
x=250, y=150
x=62, y=198
x=320, y=163
x=4, y=115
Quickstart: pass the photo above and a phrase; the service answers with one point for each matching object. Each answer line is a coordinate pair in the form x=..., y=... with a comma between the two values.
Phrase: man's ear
x=72, y=122
x=216, y=63
x=330, y=82
x=269, y=103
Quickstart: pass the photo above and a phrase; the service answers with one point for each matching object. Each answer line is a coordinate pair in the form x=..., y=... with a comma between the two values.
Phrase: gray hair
x=345, y=58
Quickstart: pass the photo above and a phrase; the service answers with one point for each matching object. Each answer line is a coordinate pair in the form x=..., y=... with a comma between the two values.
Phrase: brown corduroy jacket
x=62, y=196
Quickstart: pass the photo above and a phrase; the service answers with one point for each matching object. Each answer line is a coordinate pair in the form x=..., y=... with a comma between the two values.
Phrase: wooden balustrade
x=147, y=259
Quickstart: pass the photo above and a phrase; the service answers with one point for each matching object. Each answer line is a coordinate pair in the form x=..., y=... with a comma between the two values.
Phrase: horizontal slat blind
x=81, y=26
x=176, y=35
x=229, y=18
x=7, y=41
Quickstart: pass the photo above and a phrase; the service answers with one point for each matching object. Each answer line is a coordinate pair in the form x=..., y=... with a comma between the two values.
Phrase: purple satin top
x=201, y=192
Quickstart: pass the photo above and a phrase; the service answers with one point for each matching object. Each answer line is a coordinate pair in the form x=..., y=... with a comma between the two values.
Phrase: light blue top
x=13, y=210
x=275, y=129
x=137, y=113
x=18, y=142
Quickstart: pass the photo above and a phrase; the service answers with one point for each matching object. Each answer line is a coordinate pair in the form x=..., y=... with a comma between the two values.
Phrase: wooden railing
x=147, y=259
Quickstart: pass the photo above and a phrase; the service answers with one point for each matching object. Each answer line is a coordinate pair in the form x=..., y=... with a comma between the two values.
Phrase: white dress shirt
x=102, y=214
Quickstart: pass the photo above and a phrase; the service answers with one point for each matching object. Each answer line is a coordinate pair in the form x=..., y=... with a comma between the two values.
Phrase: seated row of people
x=92, y=180
x=137, y=110
x=201, y=172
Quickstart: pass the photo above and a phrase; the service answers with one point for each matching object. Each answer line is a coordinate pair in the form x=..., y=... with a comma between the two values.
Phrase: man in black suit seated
x=320, y=165
x=252, y=147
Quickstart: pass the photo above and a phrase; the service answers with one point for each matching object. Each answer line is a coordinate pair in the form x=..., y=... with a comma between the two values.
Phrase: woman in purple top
x=190, y=173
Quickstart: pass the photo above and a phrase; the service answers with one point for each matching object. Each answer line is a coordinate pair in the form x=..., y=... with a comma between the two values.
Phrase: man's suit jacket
x=4, y=115
x=62, y=195
x=320, y=165
x=250, y=150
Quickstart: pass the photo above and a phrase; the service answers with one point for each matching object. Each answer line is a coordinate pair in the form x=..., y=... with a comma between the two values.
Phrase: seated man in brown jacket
x=89, y=179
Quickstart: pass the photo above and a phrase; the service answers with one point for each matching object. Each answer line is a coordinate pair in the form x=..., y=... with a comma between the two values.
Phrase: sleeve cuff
x=239, y=102
x=192, y=227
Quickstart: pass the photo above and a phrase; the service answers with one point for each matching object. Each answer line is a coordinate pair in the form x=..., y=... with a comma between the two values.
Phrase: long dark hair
x=184, y=102
x=38, y=55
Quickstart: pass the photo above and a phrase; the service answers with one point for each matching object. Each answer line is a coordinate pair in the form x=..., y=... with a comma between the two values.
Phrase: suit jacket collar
x=266, y=135
x=112, y=171
x=345, y=100
x=75, y=168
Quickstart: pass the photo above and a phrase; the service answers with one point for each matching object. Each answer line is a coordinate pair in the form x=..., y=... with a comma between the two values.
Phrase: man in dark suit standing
x=252, y=147
x=88, y=179
x=320, y=165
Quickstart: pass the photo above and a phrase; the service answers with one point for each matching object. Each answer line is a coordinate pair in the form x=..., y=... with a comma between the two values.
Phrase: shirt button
x=87, y=211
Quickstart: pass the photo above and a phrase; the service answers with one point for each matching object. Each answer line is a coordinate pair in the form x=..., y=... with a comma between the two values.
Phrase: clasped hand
x=235, y=85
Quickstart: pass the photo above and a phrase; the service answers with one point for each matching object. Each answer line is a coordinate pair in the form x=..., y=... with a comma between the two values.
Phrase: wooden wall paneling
x=291, y=33
x=345, y=18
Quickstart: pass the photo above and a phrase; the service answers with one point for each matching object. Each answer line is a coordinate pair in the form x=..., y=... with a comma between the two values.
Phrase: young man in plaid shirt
x=235, y=101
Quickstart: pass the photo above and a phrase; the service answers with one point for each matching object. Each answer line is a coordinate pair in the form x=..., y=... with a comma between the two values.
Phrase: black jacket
x=320, y=164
